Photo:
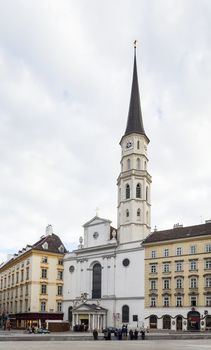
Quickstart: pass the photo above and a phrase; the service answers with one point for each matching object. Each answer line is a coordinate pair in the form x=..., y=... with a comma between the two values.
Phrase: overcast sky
x=65, y=80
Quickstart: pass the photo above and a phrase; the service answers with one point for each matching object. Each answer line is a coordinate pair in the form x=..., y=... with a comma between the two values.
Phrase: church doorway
x=193, y=321
x=179, y=323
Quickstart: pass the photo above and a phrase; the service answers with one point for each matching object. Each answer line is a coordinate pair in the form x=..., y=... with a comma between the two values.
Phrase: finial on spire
x=135, y=44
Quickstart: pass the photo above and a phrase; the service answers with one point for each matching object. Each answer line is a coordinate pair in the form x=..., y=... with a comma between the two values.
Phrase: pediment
x=96, y=221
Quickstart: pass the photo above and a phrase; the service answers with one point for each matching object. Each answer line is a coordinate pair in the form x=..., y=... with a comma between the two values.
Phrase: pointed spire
x=134, y=120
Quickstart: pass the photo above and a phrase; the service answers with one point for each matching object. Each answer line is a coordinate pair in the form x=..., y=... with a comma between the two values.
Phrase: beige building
x=31, y=283
x=178, y=278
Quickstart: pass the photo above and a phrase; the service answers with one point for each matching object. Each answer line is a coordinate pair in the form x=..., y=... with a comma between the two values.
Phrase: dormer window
x=45, y=246
x=61, y=248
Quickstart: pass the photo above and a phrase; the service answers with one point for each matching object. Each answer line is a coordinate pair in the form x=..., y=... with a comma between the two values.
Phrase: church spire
x=134, y=120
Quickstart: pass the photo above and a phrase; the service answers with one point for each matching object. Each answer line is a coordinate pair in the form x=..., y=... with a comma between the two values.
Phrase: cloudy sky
x=65, y=79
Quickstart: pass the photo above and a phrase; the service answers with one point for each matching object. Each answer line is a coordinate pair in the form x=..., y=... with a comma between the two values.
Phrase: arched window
x=138, y=191
x=138, y=164
x=145, y=165
x=128, y=164
x=127, y=192
x=139, y=213
x=70, y=314
x=138, y=144
x=147, y=194
x=125, y=314
x=127, y=213
x=166, y=322
x=96, y=281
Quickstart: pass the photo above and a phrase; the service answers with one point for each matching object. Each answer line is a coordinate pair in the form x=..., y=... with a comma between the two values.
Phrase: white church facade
x=104, y=277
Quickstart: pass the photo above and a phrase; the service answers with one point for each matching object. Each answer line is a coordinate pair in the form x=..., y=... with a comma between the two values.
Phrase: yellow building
x=178, y=278
x=31, y=283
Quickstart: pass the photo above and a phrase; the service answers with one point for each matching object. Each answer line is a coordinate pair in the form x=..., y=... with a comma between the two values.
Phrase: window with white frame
x=208, y=300
x=166, y=252
x=43, y=306
x=193, y=265
x=60, y=275
x=179, y=283
x=60, y=290
x=179, y=266
x=59, y=306
x=44, y=273
x=166, y=267
x=207, y=264
x=178, y=251
x=44, y=259
x=166, y=300
x=43, y=288
x=193, y=282
x=153, y=268
x=153, y=301
x=153, y=284
x=207, y=282
x=153, y=254
x=208, y=248
x=178, y=300
x=192, y=249
x=193, y=300
x=166, y=284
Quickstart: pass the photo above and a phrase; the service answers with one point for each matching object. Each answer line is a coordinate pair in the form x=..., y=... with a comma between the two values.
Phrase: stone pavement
x=202, y=344
x=17, y=335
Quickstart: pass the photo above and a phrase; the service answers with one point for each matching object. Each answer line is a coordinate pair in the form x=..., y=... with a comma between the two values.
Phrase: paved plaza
x=198, y=344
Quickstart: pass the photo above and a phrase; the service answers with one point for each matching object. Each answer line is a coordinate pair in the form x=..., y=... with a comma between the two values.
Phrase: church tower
x=134, y=208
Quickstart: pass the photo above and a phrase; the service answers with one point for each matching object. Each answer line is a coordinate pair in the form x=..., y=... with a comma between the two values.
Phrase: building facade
x=178, y=278
x=31, y=283
x=104, y=277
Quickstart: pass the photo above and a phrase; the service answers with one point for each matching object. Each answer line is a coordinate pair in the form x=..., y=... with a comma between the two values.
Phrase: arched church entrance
x=193, y=321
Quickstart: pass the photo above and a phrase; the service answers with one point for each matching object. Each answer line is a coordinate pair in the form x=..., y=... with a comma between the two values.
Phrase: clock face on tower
x=129, y=144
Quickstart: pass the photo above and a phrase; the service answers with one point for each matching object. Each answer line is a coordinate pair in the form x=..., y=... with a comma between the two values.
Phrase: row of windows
x=179, y=301
x=179, y=251
x=179, y=266
x=44, y=260
x=138, y=191
x=15, y=278
x=14, y=293
x=23, y=306
x=44, y=274
x=138, y=164
x=44, y=289
x=179, y=282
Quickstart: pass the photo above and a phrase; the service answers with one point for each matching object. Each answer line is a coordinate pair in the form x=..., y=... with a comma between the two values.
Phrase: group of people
x=122, y=333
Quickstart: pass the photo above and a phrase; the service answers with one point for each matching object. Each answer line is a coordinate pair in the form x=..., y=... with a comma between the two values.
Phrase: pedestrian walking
x=131, y=334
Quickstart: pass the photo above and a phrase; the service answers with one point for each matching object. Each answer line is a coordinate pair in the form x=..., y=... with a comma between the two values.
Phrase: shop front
x=193, y=318
x=29, y=319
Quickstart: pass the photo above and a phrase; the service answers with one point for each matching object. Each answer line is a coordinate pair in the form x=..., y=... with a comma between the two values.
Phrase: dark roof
x=134, y=120
x=178, y=233
x=54, y=243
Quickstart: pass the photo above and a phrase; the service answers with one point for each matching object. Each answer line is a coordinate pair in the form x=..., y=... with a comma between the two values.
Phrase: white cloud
x=66, y=71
